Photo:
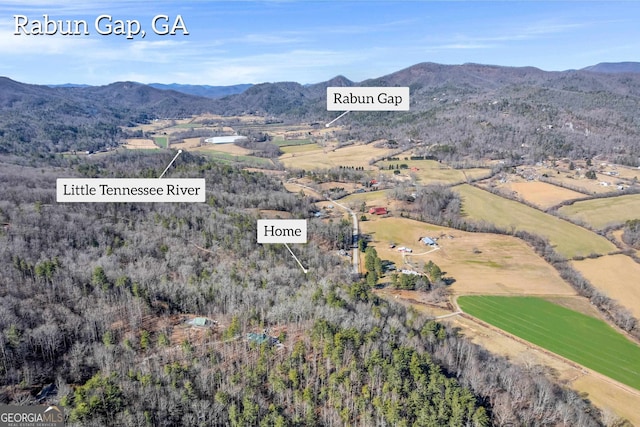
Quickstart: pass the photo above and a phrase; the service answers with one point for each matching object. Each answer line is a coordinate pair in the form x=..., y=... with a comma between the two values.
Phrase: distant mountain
x=36, y=119
x=614, y=67
x=203, y=90
x=457, y=111
x=69, y=85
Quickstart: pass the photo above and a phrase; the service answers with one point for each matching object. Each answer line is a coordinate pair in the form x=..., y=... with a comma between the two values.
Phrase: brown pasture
x=140, y=143
x=480, y=263
x=350, y=156
x=618, y=276
x=542, y=194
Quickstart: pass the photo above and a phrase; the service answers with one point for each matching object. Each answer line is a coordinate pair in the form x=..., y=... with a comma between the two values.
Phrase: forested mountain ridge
x=457, y=111
x=40, y=119
x=614, y=67
x=94, y=299
x=203, y=90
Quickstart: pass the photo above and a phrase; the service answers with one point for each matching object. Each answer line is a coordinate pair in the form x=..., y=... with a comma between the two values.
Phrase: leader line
x=341, y=115
x=167, y=168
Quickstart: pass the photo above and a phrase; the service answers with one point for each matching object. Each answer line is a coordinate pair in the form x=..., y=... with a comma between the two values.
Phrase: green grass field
x=161, y=141
x=299, y=148
x=600, y=213
x=568, y=239
x=290, y=142
x=578, y=337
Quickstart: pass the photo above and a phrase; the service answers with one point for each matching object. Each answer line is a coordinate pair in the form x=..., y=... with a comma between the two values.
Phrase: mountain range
x=472, y=109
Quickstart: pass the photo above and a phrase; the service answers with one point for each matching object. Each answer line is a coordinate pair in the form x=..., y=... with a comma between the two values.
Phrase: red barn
x=378, y=211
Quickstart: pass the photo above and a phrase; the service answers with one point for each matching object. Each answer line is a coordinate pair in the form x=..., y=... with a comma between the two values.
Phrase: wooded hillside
x=96, y=297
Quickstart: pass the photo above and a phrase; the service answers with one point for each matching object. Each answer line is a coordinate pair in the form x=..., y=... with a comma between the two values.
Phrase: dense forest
x=96, y=297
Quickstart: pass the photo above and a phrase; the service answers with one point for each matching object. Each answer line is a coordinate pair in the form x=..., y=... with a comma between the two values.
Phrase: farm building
x=225, y=139
x=378, y=211
x=428, y=241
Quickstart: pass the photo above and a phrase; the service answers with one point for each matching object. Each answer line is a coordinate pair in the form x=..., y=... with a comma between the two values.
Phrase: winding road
x=354, y=217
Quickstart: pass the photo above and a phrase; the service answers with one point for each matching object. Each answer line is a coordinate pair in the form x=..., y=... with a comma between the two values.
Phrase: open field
x=378, y=197
x=290, y=142
x=541, y=194
x=161, y=141
x=618, y=276
x=480, y=263
x=583, y=339
x=225, y=148
x=600, y=213
x=352, y=155
x=187, y=144
x=230, y=158
x=140, y=144
x=585, y=185
x=605, y=393
x=432, y=172
x=568, y=239
x=300, y=148
x=628, y=172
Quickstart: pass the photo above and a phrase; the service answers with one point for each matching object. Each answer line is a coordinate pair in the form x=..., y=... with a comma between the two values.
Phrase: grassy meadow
x=599, y=213
x=568, y=239
x=578, y=337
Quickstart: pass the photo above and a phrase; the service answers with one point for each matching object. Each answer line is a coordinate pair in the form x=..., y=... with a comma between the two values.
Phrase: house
x=378, y=211
x=410, y=273
x=263, y=338
x=201, y=321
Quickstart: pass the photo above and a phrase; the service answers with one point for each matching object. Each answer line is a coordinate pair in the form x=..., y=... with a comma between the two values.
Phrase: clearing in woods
x=480, y=263
x=584, y=339
x=600, y=213
x=618, y=276
x=568, y=239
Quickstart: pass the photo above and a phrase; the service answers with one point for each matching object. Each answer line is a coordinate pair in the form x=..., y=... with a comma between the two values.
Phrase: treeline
x=92, y=298
x=631, y=233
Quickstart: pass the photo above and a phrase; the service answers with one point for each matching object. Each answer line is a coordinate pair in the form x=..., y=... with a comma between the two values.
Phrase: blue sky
x=233, y=42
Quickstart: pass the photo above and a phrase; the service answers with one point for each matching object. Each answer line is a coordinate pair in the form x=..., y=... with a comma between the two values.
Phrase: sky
x=233, y=42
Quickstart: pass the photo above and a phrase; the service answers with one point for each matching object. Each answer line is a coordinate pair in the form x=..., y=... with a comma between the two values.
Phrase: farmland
x=162, y=141
x=140, y=144
x=480, y=262
x=618, y=276
x=352, y=155
x=600, y=213
x=568, y=239
x=583, y=339
x=431, y=171
x=541, y=194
